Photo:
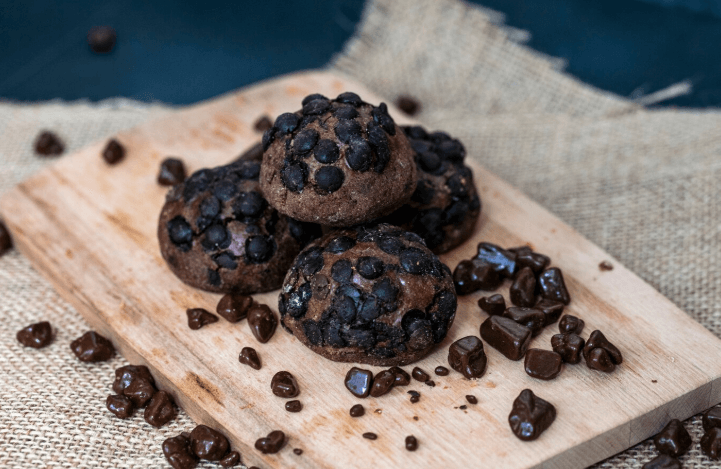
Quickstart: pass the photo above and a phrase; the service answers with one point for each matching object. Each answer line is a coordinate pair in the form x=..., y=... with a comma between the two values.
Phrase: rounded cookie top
x=445, y=205
x=218, y=233
x=372, y=295
x=337, y=162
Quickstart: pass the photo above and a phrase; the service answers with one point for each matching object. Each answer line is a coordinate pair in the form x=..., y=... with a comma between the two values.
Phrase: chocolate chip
x=711, y=418
x=114, y=152
x=467, y=357
x=357, y=411
x=471, y=399
x=249, y=206
x=542, y=364
x=604, y=360
x=411, y=443
x=263, y=123
x=441, y=371
x=529, y=317
x=415, y=396
x=284, y=385
x=120, y=406
x=286, y=123
x=230, y=460
x=605, y=266
x=326, y=151
x=502, y=260
x=101, y=39
x=135, y=383
x=234, y=307
x=570, y=324
x=420, y=375
x=382, y=383
x=316, y=107
x=345, y=112
x=293, y=406
x=530, y=416
x=415, y=261
x=91, y=347
x=673, y=440
x=359, y=155
x=268, y=137
x=402, y=378
x=178, y=452
x=383, y=119
x=598, y=359
x=160, y=410
x=359, y=381
x=180, y=233
x=272, y=443
x=569, y=346
x=254, y=153
x=552, y=285
x=475, y=274
x=349, y=98
x=208, y=444
x=663, y=461
x=312, y=97
x=525, y=257
x=523, y=289
x=36, y=335
x=506, y=336
x=370, y=436
x=379, y=142
x=408, y=105
x=711, y=443
x=262, y=322
x=551, y=310
x=370, y=267
x=346, y=130
x=494, y=305
x=172, y=172
x=47, y=143
x=385, y=290
x=216, y=237
x=305, y=141
x=199, y=317
x=259, y=249
x=248, y=356
x=293, y=176
x=329, y=178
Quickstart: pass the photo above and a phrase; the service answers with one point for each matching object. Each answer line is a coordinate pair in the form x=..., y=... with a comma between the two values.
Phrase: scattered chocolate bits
x=402, y=378
x=571, y=324
x=467, y=357
x=47, y=144
x=370, y=436
x=113, y=152
x=6, y=242
x=248, y=356
x=601, y=354
x=411, y=443
x=415, y=396
x=263, y=123
x=530, y=416
x=297, y=451
x=475, y=274
x=523, y=288
x=234, y=307
x=552, y=286
x=501, y=260
x=293, y=406
x=420, y=375
x=463, y=407
x=230, y=460
x=284, y=385
x=569, y=346
x=172, y=172
x=605, y=266
x=711, y=418
x=711, y=443
x=506, y=336
x=36, y=335
x=208, y=444
x=542, y=364
x=101, y=39
x=272, y=443
x=91, y=347
x=472, y=399
x=136, y=383
x=673, y=440
x=430, y=383
x=262, y=322
x=160, y=409
x=359, y=381
x=120, y=406
x=382, y=383
x=357, y=411
x=530, y=317
x=199, y=317
x=441, y=371
x=178, y=452
x=408, y=105
x=494, y=305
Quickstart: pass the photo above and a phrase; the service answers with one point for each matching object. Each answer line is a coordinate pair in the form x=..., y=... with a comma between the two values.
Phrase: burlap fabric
x=639, y=183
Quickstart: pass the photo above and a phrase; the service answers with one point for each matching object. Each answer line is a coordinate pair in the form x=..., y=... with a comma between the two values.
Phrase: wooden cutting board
x=90, y=229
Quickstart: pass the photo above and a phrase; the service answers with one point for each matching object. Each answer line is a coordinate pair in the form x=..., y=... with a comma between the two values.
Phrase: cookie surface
x=337, y=162
x=372, y=295
x=445, y=205
x=219, y=234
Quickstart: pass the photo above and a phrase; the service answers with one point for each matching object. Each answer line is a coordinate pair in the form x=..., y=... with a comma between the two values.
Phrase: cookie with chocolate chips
x=445, y=205
x=337, y=162
x=374, y=295
x=219, y=234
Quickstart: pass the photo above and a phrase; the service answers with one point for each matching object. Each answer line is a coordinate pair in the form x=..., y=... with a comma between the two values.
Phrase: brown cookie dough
x=372, y=295
x=337, y=162
x=219, y=234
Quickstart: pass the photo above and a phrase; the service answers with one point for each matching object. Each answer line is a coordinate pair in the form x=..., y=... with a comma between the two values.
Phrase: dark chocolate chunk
x=284, y=385
x=6, y=242
x=127, y=375
x=711, y=443
x=248, y=356
x=305, y=141
x=293, y=176
x=208, y=444
x=259, y=249
x=160, y=410
x=140, y=392
x=415, y=261
x=345, y=130
x=101, y=39
x=663, y=461
x=673, y=440
x=571, y=324
x=345, y=112
x=113, y=152
x=542, y=364
x=312, y=97
x=326, y=151
x=502, y=260
x=47, y=143
x=91, y=347
x=551, y=309
x=382, y=383
x=263, y=123
x=506, y=336
x=370, y=267
x=232, y=459
x=120, y=406
x=467, y=357
x=472, y=399
x=415, y=396
x=552, y=286
x=316, y=107
x=357, y=411
x=599, y=359
x=411, y=443
x=408, y=105
x=402, y=378
x=598, y=340
x=441, y=371
x=711, y=418
x=254, y=153
x=523, y=288
x=529, y=317
x=272, y=443
x=262, y=322
x=370, y=436
x=199, y=317
x=569, y=346
x=293, y=406
x=180, y=232
x=359, y=155
x=605, y=266
x=36, y=335
x=475, y=274
x=234, y=307
x=286, y=123
x=525, y=257
x=172, y=172
x=178, y=452
x=494, y=305
x=349, y=97
x=530, y=416
x=329, y=178
x=420, y=375
x=359, y=381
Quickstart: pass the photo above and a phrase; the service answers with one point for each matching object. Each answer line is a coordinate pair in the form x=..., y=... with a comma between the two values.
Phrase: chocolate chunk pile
x=185, y=450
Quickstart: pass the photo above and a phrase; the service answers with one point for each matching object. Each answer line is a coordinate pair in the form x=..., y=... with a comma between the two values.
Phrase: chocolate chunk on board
x=382, y=383
x=523, y=288
x=248, y=356
x=542, y=364
x=272, y=443
x=467, y=357
x=172, y=172
x=357, y=411
x=179, y=453
x=530, y=416
x=601, y=354
x=262, y=322
x=234, y=307
x=571, y=324
x=552, y=285
x=506, y=336
x=494, y=305
x=284, y=385
x=199, y=317
x=532, y=318
x=551, y=309
x=359, y=381
x=569, y=346
x=208, y=444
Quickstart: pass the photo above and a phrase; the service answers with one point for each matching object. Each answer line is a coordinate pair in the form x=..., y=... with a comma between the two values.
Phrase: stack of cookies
x=345, y=214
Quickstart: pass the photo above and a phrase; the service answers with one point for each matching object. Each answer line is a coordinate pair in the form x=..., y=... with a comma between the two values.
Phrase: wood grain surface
x=90, y=229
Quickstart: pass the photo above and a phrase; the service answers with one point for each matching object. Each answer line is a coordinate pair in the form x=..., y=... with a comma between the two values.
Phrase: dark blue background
x=182, y=52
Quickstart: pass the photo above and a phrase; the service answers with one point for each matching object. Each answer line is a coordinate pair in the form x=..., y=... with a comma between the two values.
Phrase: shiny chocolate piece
x=503, y=261
x=523, y=288
x=467, y=357
x=494, y=305
x=254, y=153
x=120, y=406
x=430, y=383
x=284, y=385
x=297, y=451
x=472, y=399
x=272, y=443
x=408, y=105
x=569, y=346
x=530, y=416
x=402, y=378
x=411, y=443
x=551, y=309
x=6, y=242
x=248, y=356
x=552, y=285
x=711, y=418
x=113, y=152
x=542, y=364
x=663, y=461
x=359, y=381
x=293, y=406
x=357, y=411
x=441, y=371
x=101, y=39
x=172, y=172
x=125, y=376
x=506, y=336
x=370, y=436
x=178, y=452
x=262, y=322
x=598, y=341
x=571, y=324
x=525, y=257
x=208, y=444
x=472, y=275
x=36, y=335
x=231, y=459
x=91, y=347
x=420, y=375
x=711, y=443
x=199, y=317
x=263, y=123
x=382, y=383
x=49, y=144
x=673, y=440
x=415, y=396
x=160, y=410
x=599, y=359
x=532, y=318
x=234, y=307
x=605, y=266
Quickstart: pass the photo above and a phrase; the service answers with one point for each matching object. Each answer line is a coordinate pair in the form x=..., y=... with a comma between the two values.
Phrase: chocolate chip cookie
x=219, y=234
x=372, y=295
x=445, y=205
x=337, y=162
